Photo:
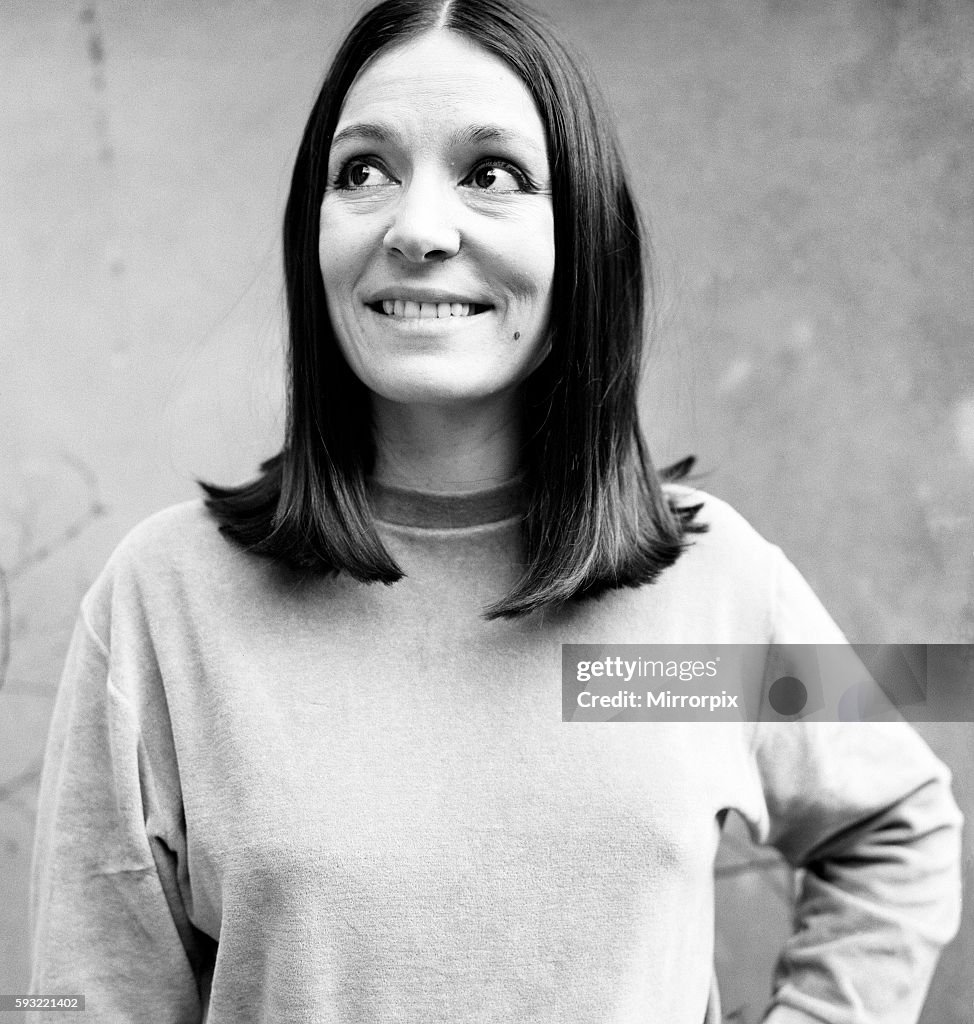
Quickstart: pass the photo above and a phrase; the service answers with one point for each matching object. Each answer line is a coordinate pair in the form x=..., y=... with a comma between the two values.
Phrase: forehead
x=441, y=81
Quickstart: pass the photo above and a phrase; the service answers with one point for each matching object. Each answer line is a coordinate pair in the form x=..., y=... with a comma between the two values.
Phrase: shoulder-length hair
x=596, y=517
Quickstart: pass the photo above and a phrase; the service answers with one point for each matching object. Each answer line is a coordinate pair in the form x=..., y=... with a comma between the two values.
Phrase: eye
x=361, y=173
x=498, y=176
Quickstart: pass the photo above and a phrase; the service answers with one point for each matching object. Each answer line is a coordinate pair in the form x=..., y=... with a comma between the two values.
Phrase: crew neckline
x=400, y=506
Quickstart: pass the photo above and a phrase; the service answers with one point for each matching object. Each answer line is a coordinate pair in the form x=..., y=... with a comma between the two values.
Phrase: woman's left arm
x=866, y=809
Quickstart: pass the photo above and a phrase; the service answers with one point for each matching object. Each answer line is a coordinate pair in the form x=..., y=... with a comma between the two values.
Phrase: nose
x=423, y=229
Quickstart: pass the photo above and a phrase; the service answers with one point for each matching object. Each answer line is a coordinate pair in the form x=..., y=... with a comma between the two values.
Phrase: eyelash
x=341, y=179
x=523, y=180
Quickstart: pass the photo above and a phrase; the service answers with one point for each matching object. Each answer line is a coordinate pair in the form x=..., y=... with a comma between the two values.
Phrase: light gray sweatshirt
x=268, y=800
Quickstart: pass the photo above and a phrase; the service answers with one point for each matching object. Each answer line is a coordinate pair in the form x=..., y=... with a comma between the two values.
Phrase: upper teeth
x=424, y=310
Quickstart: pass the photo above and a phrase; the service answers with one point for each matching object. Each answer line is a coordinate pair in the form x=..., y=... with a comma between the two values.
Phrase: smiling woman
x=275, y=792
x=437, y=240
x=457, y=153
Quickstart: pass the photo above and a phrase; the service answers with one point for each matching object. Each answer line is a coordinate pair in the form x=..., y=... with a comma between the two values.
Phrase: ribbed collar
x=434, y=510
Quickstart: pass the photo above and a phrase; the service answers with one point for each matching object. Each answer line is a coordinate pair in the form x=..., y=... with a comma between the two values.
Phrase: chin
x=448, y=393
x=444, y=385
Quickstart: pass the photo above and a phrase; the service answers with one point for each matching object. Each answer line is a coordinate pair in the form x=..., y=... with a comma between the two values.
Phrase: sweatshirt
x=274, y=798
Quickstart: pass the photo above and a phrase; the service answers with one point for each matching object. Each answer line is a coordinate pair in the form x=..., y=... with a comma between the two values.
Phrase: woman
x=275, y=792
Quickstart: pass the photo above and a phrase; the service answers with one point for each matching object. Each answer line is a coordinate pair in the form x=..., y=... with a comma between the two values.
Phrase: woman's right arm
x=107, y=918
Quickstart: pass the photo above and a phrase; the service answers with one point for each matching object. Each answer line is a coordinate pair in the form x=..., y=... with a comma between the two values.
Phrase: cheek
x=527, y=254
x=343, y=245
x=340, y=256
x=330, y=266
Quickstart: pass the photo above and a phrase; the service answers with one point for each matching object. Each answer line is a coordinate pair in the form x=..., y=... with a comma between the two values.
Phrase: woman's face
x=437, y=237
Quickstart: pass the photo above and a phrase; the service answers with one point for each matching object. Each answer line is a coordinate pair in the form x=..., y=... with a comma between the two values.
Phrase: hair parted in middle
x=596, y=516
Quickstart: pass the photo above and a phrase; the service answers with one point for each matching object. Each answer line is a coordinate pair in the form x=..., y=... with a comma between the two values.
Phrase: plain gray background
x=806, y=169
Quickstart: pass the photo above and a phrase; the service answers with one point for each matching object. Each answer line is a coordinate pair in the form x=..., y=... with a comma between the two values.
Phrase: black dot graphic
x=787, y=695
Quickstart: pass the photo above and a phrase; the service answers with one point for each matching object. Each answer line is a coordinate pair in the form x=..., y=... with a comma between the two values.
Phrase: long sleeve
x=866, y=810
x=106, y=915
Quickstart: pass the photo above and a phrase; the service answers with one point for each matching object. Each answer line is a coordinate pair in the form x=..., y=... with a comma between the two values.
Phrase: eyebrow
x=471, y=135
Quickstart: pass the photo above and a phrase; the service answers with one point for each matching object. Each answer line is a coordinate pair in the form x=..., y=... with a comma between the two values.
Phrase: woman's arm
x=866, y=810
x=107, y=918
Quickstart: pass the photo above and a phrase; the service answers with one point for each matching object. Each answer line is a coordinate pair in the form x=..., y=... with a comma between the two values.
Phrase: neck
x=445, y=448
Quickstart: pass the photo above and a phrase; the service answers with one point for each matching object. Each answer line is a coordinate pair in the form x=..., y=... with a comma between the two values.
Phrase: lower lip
x=428, y=325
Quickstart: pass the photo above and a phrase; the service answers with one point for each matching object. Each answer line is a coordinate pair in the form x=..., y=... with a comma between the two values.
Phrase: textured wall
x=806, y=169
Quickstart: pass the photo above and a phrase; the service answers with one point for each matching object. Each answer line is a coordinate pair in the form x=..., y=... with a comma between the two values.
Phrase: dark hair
x=596, y=517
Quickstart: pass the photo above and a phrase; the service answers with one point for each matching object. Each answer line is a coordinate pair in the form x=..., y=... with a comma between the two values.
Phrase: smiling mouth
x=406, y=309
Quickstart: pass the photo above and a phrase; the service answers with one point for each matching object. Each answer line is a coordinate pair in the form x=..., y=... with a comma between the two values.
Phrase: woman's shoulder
x=173, y=534
x=734, y=566
x=725, y=530
x=176, y=550
x=728, y=562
